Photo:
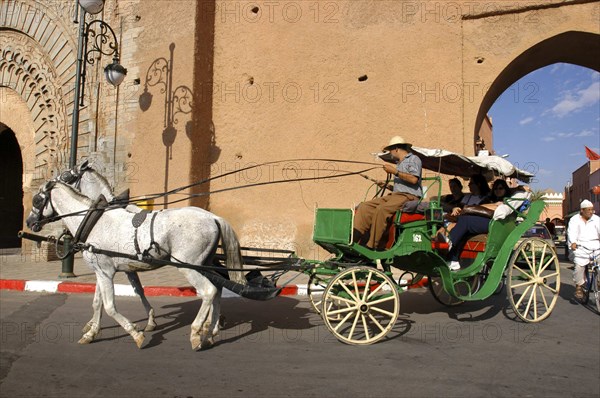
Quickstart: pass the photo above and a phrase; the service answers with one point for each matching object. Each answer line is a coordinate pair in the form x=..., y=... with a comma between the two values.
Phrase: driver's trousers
x=371, y=218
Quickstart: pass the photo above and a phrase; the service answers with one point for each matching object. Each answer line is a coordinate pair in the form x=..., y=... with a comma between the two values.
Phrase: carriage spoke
x=365, y=326
x=521, y=271
x=348, y=291
x=531, y=295
x=378, y=288
x=526, y=258
x=381, y=300
x=364, y=298
x=358, y=314
x=518, y=303
x=382, y=311
x=543, y=297
x=535, y=303
x=342, y=322
x=530, y=282
x=341, y=310
x=344, y=300
x=376, y=322
x=355, y=284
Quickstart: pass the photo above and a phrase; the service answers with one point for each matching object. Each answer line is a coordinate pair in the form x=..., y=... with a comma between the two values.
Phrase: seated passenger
x=371, y=217
x=479, y=191
x=473, y=224
x=453, y=199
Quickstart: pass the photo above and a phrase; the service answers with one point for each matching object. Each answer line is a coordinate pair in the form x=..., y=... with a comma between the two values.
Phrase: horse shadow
x=242, y=318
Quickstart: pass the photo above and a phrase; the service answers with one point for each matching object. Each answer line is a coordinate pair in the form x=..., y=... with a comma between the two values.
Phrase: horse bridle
x=73, y=176
x=38, y=204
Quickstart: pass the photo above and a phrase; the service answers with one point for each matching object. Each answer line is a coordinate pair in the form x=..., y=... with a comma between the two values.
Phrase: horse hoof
x=196, y=343
x=208, y=343
x=149, y=327
x=85, y=340
x=139, y=339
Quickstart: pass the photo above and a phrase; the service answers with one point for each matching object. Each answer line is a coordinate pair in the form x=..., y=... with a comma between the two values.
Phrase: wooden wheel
x=316, y=286
x=533, y=281
x=464, y=287
x=360, y=305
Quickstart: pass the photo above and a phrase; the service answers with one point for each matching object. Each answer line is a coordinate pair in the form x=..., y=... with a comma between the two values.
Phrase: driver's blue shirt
x=412, y=165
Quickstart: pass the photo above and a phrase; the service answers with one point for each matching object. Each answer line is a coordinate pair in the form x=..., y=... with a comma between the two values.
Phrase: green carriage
x=357, y=294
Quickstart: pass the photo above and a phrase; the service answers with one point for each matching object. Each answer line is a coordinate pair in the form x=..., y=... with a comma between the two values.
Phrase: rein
x=119, y=203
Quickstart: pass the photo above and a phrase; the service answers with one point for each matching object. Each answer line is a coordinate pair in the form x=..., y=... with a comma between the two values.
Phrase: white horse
x=93, y=184
x=183, y=235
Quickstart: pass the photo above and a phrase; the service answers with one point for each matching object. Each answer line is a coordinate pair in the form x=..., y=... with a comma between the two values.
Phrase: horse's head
x=41, y=207
x=88, y=181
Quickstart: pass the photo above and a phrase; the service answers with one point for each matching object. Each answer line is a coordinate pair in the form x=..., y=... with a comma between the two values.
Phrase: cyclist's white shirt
x=584, y=233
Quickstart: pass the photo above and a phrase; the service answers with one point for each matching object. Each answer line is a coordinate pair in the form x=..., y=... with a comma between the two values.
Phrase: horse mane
x=74, y=194
x=99, y=177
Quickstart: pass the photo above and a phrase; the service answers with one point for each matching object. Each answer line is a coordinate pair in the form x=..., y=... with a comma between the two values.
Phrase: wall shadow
x=201, y=132
x=178, y=101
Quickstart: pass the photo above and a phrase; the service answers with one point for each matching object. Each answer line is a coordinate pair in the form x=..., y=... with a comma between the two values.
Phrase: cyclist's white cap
x=585, y=204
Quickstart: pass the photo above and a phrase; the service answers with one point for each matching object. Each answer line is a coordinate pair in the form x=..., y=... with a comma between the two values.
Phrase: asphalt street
x=280, y=348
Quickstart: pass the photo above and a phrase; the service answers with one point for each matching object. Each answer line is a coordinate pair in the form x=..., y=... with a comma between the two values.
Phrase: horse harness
x=137, y=221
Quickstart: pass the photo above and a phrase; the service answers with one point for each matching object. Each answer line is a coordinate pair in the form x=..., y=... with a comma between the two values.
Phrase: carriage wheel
x=464, y=287
x=533, y=281
x=316, y=286
x=360, y=305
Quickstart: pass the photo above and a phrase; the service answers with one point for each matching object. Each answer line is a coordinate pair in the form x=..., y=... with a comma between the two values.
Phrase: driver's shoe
x=579, y=292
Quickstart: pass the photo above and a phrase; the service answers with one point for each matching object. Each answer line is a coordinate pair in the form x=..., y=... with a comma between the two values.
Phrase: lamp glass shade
x=92, y=6
x=115, y=73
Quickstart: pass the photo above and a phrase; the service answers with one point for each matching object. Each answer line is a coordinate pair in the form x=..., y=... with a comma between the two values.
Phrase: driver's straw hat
x=397, y=141
x=586, y=204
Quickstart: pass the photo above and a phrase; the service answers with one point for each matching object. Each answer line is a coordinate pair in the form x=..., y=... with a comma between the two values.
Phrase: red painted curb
x=74, y=287
x=169, y=291
x=291, y=290
x=11, y=284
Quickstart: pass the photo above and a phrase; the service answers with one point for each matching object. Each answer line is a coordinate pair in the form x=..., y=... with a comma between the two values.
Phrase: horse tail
x=231, y=247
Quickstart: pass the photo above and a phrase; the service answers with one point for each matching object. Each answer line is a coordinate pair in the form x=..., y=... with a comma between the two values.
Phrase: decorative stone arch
x=571, y=47
x=37, y=61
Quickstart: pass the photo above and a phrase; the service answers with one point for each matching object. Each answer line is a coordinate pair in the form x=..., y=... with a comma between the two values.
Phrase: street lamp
x=95, y=37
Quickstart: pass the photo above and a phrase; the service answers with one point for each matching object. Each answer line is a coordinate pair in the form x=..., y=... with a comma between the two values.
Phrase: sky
x=545, y=120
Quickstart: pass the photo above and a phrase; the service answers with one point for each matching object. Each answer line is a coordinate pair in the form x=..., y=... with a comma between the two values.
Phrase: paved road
x=280, y=348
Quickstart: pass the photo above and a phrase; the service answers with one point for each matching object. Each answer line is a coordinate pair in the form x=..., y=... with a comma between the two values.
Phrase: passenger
x=583, y=236
x=454, y=198
x=475, y=224
x=551, y=227
x=371, y=217
x=479, y=190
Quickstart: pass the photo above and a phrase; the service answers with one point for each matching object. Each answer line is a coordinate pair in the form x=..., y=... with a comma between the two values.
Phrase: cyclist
x=583, y=235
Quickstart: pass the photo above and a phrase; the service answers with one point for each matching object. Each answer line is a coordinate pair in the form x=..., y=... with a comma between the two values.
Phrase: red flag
x=591, y=155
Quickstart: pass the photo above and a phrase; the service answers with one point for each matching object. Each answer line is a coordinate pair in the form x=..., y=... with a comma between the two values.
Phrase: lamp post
x=103, y=41
x=102, y=37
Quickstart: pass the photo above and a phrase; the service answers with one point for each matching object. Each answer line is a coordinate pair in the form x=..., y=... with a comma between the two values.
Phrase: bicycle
x=592, y=278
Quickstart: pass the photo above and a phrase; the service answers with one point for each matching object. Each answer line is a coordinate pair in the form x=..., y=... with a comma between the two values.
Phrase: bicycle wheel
x=588, y=285
x=596, y=275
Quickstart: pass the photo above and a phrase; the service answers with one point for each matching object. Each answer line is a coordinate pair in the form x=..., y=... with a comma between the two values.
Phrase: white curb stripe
x=124, y=290
x=42, y=286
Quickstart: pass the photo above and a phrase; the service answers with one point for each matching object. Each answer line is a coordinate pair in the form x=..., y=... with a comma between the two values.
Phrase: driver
x=583, y=236
x=371, y=217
